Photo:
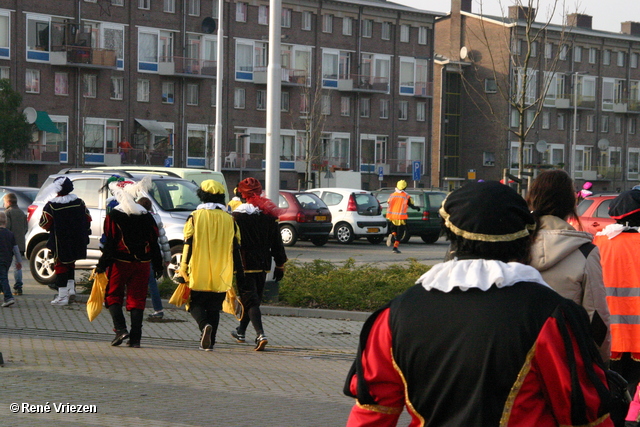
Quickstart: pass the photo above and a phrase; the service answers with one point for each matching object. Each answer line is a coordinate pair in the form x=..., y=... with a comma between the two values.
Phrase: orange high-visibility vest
x=398, y=204
x=621, y=274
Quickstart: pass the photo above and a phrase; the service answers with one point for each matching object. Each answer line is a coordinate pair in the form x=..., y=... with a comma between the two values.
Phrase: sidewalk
x=54, y=354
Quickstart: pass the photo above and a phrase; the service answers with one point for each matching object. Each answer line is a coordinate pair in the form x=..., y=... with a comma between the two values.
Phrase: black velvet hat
x=627, y=203
x=487, y=211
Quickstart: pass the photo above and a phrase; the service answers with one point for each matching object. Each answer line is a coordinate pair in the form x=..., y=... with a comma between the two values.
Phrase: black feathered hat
x=487, y=211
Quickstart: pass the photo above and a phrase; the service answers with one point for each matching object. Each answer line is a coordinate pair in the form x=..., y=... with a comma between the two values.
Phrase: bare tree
x=514, y=56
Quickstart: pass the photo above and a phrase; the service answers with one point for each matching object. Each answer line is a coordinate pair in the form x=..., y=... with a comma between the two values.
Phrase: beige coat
x=570, y=264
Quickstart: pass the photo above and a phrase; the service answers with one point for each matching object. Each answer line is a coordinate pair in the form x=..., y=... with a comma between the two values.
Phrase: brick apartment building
x=592, y=103
x=133, y=81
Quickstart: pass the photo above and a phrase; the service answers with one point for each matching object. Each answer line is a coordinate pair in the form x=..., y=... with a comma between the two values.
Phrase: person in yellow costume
x=398, y=203
x=210, y=239
x=235, y=201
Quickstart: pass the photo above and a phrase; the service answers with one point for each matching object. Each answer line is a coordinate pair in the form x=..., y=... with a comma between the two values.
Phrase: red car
x=593, y=212
x=306, y=218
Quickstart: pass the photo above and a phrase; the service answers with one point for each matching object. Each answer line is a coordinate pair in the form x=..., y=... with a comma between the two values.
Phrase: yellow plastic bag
x=96, y=299
x=180, y=295
x=232, y=304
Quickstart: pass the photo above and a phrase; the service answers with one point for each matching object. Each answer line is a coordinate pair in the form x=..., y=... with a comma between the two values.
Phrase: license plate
x=373, y=230
x=320, y=217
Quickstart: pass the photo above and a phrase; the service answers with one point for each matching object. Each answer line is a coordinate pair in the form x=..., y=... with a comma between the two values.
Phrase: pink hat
x=587, y=185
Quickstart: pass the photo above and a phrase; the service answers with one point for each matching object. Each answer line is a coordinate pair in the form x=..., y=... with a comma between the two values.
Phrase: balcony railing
x=288, y=76
x=38, y=153
x=361, y=83
x=83, y=56
x=188, y=67
x=609, y=172
x=566, y=101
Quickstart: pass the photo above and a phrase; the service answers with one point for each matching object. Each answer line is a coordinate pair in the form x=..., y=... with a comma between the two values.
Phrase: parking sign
x=416, y=170
x=380, y=173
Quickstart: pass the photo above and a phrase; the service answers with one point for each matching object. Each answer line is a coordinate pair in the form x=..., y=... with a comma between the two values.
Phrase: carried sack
x=180, y=295
x=232, y=304
x=96, y=299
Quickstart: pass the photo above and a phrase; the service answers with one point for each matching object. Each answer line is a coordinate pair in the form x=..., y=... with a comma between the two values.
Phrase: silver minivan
x=173, y=199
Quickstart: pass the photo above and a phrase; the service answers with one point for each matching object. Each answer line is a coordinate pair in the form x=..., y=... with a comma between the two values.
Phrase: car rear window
x=603, y=209
x=583, y=206
x=310, y=201
x=367, y=204
x=436, y=199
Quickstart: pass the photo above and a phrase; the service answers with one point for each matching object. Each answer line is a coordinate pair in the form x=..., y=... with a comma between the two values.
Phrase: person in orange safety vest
x=618, y=244
x=398, y=204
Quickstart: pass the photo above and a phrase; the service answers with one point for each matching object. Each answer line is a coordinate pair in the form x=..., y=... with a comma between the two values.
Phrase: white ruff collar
x=247, y=208
x=64, y=199
x=612, y=230
x=477, y=273
x=211, y=206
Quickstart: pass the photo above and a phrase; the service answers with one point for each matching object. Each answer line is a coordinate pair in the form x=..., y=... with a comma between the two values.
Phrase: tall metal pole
x=217, y=152
x=575, y=126
x=274, y=80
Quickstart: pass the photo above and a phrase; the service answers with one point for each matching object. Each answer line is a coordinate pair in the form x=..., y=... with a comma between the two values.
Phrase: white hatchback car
x=355, y=213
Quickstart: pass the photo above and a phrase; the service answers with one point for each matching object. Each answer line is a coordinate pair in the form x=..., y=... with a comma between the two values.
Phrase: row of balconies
x=589, y=103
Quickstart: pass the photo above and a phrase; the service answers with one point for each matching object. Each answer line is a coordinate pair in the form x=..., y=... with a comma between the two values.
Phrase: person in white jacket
x=565, y=257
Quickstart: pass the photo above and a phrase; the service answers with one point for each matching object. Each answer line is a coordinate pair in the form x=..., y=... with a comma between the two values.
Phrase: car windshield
x=175, y=195
x=310, y=201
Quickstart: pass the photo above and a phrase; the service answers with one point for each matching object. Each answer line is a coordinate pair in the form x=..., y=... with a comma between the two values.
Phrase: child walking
x=8, y=249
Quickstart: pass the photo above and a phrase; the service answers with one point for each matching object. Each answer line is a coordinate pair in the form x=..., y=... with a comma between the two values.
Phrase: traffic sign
x=417, y=169
x=380, y=173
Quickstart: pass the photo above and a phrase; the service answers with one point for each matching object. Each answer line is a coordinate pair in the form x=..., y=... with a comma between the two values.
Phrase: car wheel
x=344, y=233
x=430, y=238
x=41, y=264
x=288, y=235
x=174, y=264
x=320, y=241
x=374, y=240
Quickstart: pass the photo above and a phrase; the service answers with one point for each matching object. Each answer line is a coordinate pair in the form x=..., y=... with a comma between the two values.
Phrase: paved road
x=54, y=355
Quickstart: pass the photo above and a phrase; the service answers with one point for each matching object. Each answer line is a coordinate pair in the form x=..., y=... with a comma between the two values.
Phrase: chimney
x=631, y=28
x=521, y=12
x=460, y=5
x=579, y=20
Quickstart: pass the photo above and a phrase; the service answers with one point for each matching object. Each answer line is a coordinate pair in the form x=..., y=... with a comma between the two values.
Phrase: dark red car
x=593, y=212
x=306, y=218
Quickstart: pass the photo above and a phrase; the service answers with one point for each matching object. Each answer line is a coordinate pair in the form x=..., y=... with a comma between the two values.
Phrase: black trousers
x=251, y=290
x=205, y=309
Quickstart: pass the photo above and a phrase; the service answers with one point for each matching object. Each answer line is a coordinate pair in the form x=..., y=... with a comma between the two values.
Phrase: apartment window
x=620, y=57
x=365, y=107
x=577, y=54
x=306, y=21
x=263, y=15
x=618, y=124
x=32, y=81
x=327, y=23
x=261, y=100
x=529, y=116
x=61, y=84
x=284, y=101
x=144, y=4
x=534, y=49
x=213, y=95
x=169, y=6
x=422, y=35
x=4, y=72
x=238, y=98
x=326, y=105
x=421, y=111
x=367, y=28
x=606, y=57
x=564, y=50
x=89, y=85
x=143, y=90
x=304, y=103
x=347, y=26
x=117, y=2
x=488, y=158
x=117, y=88
x=404, y=33
x=168, y=89
x=591, y=123
x=604, y=124
x=634, y=157
x=516, y=46
x=632, y=126
x=386, y=31
x=633, y=60
x=241, y=12
x=490, y=86
x=194, y=7
x=561, y=118
x=345, y=106
x=546, y=118
x=285, y=20
x=403, y=110
x=548, y=50
x=593, y=55
x=514, y=119
x=384, y=108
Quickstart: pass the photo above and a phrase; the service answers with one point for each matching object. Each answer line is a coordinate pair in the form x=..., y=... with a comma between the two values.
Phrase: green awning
x=45, y=124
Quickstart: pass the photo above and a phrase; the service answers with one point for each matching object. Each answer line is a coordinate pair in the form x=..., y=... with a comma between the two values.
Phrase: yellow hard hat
x=402, y=184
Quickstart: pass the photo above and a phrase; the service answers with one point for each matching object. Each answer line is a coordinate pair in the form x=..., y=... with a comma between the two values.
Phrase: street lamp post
x=572, y=170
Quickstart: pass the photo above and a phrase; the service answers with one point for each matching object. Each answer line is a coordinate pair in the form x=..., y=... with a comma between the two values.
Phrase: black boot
x=119, y=324
x=136, y=327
